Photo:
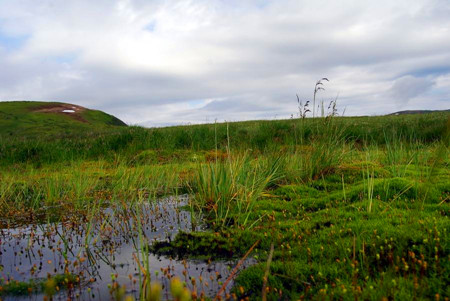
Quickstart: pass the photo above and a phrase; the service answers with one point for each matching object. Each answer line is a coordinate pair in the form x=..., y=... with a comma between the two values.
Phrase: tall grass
x=325, y=150
x=256, y=135
x=227, y=191
x=78, y=185
x=369, y=183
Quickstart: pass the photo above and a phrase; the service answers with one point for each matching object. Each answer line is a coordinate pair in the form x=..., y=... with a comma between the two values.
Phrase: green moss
x=207, y=244
x=18, y=288
x=250, y=281
x=343, y=254
x=354, y=171
x=292, y=192
x=393, y=189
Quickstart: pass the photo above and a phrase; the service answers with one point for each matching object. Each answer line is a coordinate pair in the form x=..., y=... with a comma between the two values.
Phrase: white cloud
x=149, y=61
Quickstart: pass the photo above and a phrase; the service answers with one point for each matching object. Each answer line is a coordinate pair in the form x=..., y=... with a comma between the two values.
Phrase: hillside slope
x=28, y=118
x=409, y=112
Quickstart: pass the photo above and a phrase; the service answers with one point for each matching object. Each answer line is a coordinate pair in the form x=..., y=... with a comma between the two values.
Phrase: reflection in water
x=103, y=246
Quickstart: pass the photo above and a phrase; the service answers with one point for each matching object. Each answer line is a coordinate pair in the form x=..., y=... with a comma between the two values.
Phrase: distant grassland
x=56, y=141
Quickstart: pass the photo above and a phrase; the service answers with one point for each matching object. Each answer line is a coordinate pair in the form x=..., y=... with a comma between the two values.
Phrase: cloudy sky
x=155, y=62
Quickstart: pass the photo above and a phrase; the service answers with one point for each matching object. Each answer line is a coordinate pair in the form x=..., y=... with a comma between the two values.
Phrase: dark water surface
x=106, y=245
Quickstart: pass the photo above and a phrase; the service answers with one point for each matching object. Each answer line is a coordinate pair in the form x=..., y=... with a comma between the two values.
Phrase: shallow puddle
x=105, y=248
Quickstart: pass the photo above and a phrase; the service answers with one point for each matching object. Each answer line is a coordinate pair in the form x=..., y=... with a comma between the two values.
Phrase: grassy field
x=331, y=208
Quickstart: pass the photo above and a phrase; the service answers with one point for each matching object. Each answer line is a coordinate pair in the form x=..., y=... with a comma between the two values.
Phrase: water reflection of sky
x=108, y=245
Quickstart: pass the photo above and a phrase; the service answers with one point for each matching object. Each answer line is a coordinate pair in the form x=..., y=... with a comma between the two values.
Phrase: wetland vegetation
x=307, y=208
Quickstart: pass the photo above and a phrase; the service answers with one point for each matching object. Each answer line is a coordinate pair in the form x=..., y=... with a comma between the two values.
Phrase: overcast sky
x=155, y=62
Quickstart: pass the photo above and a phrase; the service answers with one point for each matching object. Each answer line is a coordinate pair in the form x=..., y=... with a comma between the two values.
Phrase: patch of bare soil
x=73, y=111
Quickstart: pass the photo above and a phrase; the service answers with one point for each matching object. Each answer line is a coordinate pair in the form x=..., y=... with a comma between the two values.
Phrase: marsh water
x=108, y=246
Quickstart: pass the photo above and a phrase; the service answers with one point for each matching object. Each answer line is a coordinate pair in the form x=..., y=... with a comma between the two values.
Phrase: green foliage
x=291, y=192
x=342, y=253
x=222, y=189
x=47, y=286
x=206, y=245
x=77, y=185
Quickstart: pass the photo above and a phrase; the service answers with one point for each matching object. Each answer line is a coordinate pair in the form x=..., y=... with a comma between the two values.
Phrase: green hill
x=409, y=112
x=29, y=118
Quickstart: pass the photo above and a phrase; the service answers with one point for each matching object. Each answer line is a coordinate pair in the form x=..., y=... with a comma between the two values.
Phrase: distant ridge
x=417, y=112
